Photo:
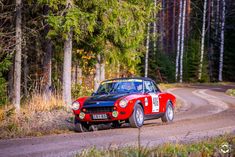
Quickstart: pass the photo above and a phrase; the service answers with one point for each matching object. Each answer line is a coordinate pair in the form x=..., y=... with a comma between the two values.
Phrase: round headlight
x=81, y=115
x=123, y=103
x=75, y=105
x=115, y=114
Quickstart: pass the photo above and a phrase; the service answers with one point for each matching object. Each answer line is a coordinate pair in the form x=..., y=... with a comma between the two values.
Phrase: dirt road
x=206, y=112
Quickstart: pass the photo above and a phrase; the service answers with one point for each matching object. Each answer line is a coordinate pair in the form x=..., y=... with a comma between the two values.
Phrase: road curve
x=206, y=112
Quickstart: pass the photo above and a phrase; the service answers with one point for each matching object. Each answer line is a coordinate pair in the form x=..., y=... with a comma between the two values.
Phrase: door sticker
x=155, y=102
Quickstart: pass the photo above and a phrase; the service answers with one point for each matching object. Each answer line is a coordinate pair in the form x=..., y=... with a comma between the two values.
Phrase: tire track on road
x=212, y=100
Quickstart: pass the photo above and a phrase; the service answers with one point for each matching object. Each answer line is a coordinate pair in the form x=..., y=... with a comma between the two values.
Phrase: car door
x=152, y=95
x=159, y=96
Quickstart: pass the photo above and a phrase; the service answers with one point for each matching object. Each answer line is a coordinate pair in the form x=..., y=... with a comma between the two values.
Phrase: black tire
x=116, y=124
x=135, y=120
x=80, y=127
x=169, y=114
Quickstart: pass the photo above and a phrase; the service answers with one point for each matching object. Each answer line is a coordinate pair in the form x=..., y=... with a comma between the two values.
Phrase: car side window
x=155, y=87
x=148, y=87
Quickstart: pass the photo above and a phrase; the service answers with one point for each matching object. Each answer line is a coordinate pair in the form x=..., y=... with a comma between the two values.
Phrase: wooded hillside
x=68, y=47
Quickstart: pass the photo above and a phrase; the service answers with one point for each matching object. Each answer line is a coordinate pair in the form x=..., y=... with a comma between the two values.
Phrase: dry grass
x=165, y=86
x=231, y=92
x=206, y=148
x=39, y=103
x=37, y=117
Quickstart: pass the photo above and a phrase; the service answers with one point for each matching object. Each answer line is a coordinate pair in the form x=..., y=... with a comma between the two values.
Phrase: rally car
x=123, y=100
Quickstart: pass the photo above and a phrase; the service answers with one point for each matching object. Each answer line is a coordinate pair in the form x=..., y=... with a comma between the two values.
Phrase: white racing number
x=155, y=102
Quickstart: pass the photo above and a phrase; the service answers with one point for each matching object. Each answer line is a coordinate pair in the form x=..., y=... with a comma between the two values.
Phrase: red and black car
x=123, y=100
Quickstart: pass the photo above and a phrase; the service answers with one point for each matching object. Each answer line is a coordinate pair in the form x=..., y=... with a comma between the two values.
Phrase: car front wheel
x=80, y=127
x=137, y=118
x=169, y=114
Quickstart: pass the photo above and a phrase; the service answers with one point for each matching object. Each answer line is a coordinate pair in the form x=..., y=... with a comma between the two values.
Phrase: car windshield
x=120, y=86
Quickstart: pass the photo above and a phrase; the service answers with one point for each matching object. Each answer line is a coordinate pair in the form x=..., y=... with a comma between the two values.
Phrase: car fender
x=138, y=102
x=81, y=100
x=132, y=101
x=165, y=98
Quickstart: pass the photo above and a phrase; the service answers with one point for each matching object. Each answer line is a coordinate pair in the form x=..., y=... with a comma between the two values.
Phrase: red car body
x=154, y=103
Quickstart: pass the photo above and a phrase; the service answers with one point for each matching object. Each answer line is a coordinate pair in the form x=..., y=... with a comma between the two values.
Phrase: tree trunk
x=173, y=29
x=118, y=69
x=209, y=43
x=154, y=29
x=17, y=70
x=217, y=18
x=202, y=40
x=79, y=73
x=102, y=71
x=188, y=11
x=97, y=73
x=147, y=52
x=221, y=60
x=11, y=82
x=182, y=42
x=26, y=70
x=74, y=75
x=47, y=59
x=67, y=64
x=178, y=40
x=162, y=27
x=67, y=69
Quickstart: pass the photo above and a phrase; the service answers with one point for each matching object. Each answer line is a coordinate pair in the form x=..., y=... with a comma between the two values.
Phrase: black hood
x=103, y=100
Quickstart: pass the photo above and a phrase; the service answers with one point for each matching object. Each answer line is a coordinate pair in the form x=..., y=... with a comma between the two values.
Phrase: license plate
x=99, y=116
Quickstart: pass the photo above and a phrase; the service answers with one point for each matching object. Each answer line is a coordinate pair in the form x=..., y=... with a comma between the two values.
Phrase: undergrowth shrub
x=81, y=90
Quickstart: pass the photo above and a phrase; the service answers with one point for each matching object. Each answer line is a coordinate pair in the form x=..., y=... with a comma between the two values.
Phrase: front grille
x=98, y=109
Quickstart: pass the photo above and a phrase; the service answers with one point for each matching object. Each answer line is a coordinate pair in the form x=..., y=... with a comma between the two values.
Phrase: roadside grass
x=206, y=148
x=231, y=92
x=165, y=86
x=37, y=117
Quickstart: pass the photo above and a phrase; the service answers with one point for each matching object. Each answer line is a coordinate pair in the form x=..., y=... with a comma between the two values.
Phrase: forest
x=67, y=47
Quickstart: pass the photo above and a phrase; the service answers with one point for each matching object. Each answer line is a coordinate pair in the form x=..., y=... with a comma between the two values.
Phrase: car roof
x=126, y=78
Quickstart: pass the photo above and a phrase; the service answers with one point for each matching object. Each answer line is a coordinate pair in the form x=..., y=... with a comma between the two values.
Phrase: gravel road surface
x=206, y=112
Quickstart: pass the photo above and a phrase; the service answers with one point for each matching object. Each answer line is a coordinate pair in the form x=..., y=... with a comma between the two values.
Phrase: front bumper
x=121, y=114
x=89, y=117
